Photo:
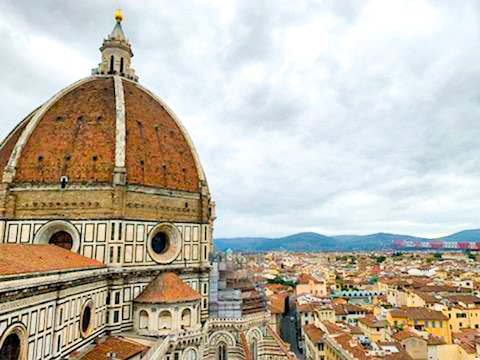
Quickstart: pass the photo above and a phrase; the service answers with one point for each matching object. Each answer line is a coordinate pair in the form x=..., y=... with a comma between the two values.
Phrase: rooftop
x=167, y=288
x=24, y=259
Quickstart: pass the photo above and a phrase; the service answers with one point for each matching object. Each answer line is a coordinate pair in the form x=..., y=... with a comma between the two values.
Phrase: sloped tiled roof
x=125, y=349
x=24, y=259
x=276, y=303
x=372, y=321
x=167, y=288
x=418, y=313
x=315, y=334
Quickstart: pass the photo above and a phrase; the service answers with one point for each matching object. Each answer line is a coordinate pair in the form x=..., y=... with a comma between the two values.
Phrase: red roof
x=168, y=288
x=80, y=125
x=125, y=349
x=22, y=259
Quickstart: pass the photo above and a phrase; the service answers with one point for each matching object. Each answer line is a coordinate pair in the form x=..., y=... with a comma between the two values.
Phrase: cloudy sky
x=332, y=116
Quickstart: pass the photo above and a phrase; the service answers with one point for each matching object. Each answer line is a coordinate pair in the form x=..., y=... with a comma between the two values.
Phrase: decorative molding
x=120, y=172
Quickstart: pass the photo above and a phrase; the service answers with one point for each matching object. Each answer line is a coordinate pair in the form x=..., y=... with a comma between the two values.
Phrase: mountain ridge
x=312, y=241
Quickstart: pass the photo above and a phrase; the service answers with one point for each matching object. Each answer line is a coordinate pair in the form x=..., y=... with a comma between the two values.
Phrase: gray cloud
x=337, y=117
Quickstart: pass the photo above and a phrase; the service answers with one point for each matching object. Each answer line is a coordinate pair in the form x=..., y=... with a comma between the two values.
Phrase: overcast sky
x=339, y=116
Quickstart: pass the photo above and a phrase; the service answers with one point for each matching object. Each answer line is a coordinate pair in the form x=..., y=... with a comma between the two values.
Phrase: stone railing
x=244, y=321
x=159, y=349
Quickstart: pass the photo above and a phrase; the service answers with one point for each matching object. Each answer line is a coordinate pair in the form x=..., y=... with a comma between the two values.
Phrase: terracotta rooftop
x=332, y=328
x=80, y=126
x=23, y=259
x=401, y=353
x=427, y=297
x=125, y=349
x=408, y=333
x=467, y=299
x=372, y=321
x=345, y=309
x=315, y=334
x=305, y=279
x=276, y=303
x=349, y=344
x=418, y=313
x=167, y=288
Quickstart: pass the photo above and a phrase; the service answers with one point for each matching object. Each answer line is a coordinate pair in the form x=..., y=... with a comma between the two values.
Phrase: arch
x=143, y=320
x=165, y=320
x=254, y=333
x=254, y=349
x=172, y=246
x=48, y=230
x=190, y=354
x=13, y=342
x=186, y=318
x=111, y=67
x=221, y=336
x=222, y=351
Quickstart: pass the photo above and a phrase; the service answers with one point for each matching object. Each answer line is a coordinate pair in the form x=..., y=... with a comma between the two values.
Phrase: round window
x=160, y=242
x=164, y=243
x=86, y=319
x=11, y=347
x=62, y=239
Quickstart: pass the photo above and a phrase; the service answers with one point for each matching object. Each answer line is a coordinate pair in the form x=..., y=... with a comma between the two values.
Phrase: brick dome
x=105, y=129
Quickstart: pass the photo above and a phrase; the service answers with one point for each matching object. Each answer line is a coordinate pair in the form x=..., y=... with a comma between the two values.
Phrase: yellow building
x=375, y=329
x=417, y=298
x=422, y=319
x=314, y=344
x=463, y=312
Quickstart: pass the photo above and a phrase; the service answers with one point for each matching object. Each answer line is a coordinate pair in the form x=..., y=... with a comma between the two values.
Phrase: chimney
x=111, y=355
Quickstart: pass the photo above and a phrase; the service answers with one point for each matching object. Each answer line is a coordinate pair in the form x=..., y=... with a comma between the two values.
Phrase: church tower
x=116, y=53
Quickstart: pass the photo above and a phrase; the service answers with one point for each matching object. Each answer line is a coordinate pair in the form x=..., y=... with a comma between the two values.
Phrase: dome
x=96, y=127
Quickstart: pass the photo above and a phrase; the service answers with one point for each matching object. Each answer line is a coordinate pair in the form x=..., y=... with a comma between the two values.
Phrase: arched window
x=62, y=239
x=11, y=347
x=253, y=349
x=222, y=351
x=143, y=320
x=186, y=318
x=164, y=320
x=190, y=354
x=111, y=65
x=121, y=65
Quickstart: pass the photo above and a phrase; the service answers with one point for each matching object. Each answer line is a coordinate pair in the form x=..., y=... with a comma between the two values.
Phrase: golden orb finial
x=118, y=15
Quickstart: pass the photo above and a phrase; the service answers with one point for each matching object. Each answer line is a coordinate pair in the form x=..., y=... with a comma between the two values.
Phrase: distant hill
x=310, y=241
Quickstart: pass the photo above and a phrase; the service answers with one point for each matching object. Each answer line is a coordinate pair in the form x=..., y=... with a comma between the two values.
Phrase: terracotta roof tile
x=315, y=334
x=276, y=303
x=418, y=313
x=80, y=128
x=168, y=288
x=22, y=259
x=157, y=152
x=125, y=349
x=372, y=321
